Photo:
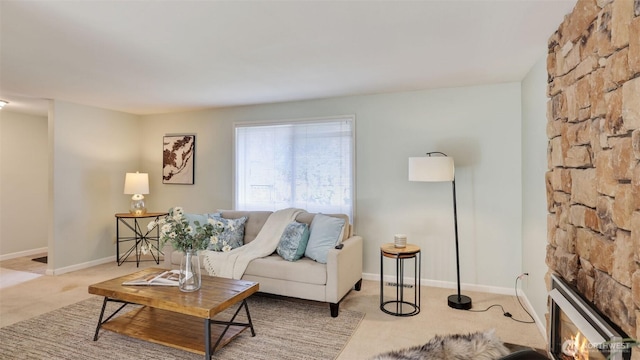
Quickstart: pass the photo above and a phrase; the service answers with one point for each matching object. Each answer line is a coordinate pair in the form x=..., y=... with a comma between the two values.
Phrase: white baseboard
x=443, y=284
x=541, y=325
x=59, y=271
x=80, y=266
x=23, y=253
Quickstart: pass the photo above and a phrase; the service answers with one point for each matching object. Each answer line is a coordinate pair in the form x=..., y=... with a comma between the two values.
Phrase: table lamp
x=137, y=184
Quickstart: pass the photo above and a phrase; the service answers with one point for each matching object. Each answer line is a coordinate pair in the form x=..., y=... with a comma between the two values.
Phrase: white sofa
x=304, y=278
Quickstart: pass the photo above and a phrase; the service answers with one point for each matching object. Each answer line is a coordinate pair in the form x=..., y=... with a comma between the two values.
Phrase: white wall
x=534, y=200
x=212, y=162
x=479, y=126
x=90, y=151
x=496, y=133
x=23, y=183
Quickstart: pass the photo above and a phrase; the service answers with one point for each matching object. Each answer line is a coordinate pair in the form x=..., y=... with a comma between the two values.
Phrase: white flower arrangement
x=176, y=229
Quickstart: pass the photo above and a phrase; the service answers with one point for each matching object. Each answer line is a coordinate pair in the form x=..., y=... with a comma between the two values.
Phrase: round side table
x=403, y=307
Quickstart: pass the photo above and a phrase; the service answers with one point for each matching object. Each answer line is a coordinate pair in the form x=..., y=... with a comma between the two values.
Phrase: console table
x=403, y=307
x=141, y=237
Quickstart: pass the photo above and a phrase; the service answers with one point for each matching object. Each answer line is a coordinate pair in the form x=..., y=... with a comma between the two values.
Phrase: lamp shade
x=136, y=183
x=431, y=168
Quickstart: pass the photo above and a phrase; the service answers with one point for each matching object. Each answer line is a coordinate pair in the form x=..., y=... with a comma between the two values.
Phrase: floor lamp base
x=460, y=302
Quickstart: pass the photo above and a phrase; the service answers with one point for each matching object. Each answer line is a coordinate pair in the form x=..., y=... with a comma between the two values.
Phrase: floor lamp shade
x=434, y=169
x=137, y=184
x=431, y=168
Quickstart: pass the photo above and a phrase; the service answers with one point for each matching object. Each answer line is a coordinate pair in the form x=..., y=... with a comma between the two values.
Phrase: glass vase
x=190, y=277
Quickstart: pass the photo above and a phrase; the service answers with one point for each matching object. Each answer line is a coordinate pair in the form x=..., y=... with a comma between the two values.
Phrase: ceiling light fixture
x=3, y=103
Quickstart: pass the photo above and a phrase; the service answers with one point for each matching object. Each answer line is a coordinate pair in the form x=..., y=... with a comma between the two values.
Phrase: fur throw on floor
x=475, y=346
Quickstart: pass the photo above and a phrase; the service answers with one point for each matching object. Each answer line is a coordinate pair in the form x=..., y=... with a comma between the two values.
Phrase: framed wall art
x=178, y=159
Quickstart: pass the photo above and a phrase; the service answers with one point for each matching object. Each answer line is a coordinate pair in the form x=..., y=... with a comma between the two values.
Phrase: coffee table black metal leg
x=246, y=307
x=207, y=329
x=104, y=306
x=207, y=339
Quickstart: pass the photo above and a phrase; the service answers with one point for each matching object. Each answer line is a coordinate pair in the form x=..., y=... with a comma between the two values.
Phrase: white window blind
x=302, y=164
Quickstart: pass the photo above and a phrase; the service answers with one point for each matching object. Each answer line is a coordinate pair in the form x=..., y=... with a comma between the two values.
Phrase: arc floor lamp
x=440, y=168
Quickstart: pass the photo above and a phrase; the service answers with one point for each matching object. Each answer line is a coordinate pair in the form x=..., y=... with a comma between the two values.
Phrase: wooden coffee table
x=175, y=318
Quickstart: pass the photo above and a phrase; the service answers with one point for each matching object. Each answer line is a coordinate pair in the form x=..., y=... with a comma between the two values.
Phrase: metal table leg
x=209, y=350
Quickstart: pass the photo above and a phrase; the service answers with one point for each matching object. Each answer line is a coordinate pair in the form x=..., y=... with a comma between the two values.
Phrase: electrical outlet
x=524, y=277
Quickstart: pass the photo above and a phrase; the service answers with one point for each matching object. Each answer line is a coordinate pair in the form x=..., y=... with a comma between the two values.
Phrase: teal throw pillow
x=324, y=234
x=200, y=218
x=293, y=241
x=232, y=235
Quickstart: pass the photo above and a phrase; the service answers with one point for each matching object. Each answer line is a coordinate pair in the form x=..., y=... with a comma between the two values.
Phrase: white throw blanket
x=232, y=264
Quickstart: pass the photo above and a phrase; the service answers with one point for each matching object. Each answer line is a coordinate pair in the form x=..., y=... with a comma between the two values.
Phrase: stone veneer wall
x=593, y=182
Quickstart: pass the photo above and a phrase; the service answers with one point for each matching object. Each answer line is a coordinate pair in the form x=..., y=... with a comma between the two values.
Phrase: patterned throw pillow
x=233, y=233
x=293, y=241
x=324, y=234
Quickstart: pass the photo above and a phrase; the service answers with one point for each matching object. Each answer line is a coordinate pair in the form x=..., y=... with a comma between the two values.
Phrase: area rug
x=285, y=329
x=9, y=277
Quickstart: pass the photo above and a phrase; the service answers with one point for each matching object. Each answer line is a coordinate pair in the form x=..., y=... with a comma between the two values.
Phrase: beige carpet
x=377, y=333
x=26, y=264
x=285, y=329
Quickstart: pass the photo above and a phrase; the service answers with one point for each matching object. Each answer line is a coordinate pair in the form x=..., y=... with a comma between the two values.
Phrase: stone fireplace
x=593, y=182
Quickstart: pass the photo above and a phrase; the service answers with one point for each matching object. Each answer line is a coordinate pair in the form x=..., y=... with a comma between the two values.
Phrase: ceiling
x=146, y=57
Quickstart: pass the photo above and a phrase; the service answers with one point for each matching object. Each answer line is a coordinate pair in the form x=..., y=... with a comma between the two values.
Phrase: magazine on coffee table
x=160, y=278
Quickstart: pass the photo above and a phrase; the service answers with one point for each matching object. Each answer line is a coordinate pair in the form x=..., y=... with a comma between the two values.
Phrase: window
x=306, y=164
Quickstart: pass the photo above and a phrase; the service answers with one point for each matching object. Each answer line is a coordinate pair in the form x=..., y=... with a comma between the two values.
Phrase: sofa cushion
x=325, y=233
x=307, y=218
x=200, y=218
x=255, y=221
x=233, y=233
x=293, y=241
x=304, y=270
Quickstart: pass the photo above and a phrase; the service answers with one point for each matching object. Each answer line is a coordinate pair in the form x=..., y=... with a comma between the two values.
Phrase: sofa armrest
x=344, y=268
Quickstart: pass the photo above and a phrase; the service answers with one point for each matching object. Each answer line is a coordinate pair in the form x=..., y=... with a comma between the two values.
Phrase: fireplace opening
x=578, y=331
